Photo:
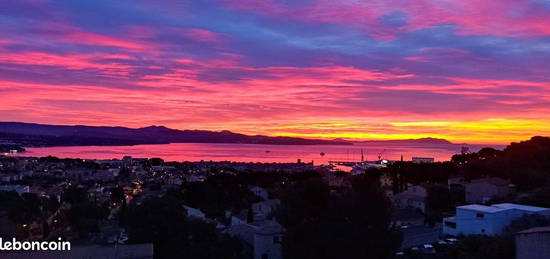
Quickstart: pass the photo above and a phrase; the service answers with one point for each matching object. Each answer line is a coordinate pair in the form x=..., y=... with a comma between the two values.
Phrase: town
x=151, y=208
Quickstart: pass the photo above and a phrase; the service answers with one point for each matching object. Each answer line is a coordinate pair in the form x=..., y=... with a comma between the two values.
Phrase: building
x=264, y=237
x=456, y=181
x=260, y=192
x=487, y=220
x=533, y=243
x=266, y=208
x=267, y=242
x=195, y=213
x=11, y=177
x=414, y=197
x=420, y=160
x=20, y=189
x=482, y=190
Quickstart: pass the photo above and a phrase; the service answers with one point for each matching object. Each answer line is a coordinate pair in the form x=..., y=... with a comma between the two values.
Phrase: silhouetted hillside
x=30, y=134
x=409, y=141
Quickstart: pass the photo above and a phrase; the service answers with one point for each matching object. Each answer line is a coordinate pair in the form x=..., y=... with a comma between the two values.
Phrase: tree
x=124, y=173
x=74, y=195
x=164, y=222
x=156, y=161
x=217, y=194
x=348, y=224
x=84, y=215
x=438, y=202
x=21, y=209
x=526, y=164
x=538, y=197
x=526, y=222
x=117, y=194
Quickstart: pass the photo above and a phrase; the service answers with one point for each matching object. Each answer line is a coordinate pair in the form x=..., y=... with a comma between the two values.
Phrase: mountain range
x=33, y=135
x=409, y=141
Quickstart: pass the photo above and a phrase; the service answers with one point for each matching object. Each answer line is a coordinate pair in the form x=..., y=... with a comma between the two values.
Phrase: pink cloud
x=68, y=61
x=501, y=17
x=201, y=35
x=66, y=33
x=415, y=58
x=87, y=38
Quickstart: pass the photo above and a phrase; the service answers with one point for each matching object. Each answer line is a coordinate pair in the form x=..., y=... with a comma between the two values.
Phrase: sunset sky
x=464, y=70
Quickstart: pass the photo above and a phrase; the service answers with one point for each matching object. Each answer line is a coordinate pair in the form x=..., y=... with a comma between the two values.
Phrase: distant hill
x=409, y=141
x=30, y=134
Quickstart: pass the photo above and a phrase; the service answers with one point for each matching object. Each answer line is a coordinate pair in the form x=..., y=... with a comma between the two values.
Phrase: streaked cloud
x=461, y=70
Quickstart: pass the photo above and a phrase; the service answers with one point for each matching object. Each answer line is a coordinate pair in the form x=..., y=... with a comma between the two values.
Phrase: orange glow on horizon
x=490, y=131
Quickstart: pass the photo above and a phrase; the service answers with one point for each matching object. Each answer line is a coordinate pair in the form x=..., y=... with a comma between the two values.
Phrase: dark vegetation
x=526, y=164
x=83, y=215
x=163, y=222
x=26, y=208
x=217, y=194
x=348, y=224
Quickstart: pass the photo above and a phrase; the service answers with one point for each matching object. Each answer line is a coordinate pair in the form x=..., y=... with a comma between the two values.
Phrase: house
x=264, y=237
x=487, y=220
x=267, y=241
x=106, y=174
x=456, y=181
x=195, y=213
x=420, y=160
x=266, y=208
x=533, y=243
x=11, y=177
x=176, y=181
x=413, y=197
x=259, y=191
x=194, y=178
x=20, y=189
x=237, y=219
x=482, y=190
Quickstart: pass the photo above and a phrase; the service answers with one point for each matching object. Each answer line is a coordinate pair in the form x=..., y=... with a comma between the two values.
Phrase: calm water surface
x=256, y=153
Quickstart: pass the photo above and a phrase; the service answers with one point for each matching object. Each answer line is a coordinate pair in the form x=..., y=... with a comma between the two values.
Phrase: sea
x=319, y=154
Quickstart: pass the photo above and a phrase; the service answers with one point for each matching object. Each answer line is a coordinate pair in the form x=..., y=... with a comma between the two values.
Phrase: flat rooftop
x=519, y=207
x=501, y=207
x=535, y=230
x=481, y=208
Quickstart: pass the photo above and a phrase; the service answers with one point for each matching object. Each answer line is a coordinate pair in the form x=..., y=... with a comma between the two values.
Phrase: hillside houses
x=483, y=190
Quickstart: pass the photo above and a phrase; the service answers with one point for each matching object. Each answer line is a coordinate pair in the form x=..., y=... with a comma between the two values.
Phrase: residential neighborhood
x=264, y=210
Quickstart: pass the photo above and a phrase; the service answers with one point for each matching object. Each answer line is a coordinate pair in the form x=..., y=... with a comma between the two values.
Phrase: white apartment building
x=487, y=220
